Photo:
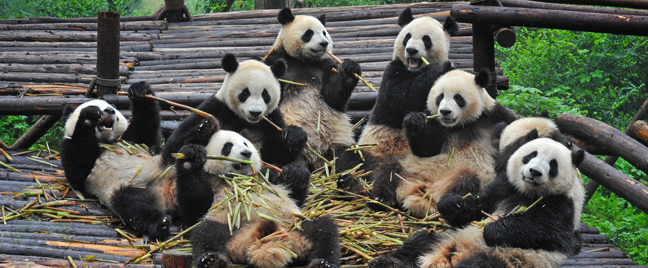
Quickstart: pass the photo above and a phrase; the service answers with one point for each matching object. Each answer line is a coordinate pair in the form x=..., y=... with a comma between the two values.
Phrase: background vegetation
x=596, y=75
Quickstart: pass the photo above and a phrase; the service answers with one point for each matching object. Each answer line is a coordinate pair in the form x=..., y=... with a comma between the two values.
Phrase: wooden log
x=56, y=68
x=505, y=36
x=44, y=89
x=70, y=20
x=639, y=131
x=175, y=258
x=3, y=145
x=615, y=3
x=484, y=49
x=124, y=26
x=48, y=77
x=107, y=53
x=540, y=5
x=35, y=132
x=74, y=36
x=590, y=147
x=597, y=262
x=55, y=59
x=30, y=250
x=555, y=19
x=601, y=255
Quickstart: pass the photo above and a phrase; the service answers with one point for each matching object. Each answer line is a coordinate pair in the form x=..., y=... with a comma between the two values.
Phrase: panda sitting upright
x=320, y=106
x=249, y=92
x=200, y=186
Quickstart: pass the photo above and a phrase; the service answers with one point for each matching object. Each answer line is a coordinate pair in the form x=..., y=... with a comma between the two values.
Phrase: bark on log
x=639, y=131
x=505, y=36
x=540, y=5
x=44, y=89
x=56, y=68
x=70, y=20
x=124, y=26
x=35, y=132
x=591, y=147
x=555, y=19
x=175, y=258
x=3, y=145
x=73, y=36
x=29, y=250
x=615, y=3
x=484, y=50
x=107, y=52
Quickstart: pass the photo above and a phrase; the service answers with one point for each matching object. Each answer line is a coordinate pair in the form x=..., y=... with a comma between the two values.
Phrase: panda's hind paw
x=213, y=260
x=195, y=156
x=322, y=263
x=347, y=182
x=160, y=230
x=295, y=137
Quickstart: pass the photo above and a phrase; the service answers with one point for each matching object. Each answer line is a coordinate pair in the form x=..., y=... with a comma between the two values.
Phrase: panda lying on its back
x=200, y=187
x=542, y=171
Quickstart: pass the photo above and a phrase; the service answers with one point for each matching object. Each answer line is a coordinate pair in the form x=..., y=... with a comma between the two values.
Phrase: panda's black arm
x=386, y=182
x=194, y=192
x=499, y=113
x=548, y=225
x=424, y=136
x=296, y=178
x=281, y=147
x=459, y=211
x=337, y=87
x=144, y=126
x=79, y=152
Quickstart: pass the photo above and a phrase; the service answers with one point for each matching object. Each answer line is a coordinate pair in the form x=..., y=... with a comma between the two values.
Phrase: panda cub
x=147, y=202
x=249, y=92
x=200, y=187
x=543, y=172
x=320, y=106
x=450, y=153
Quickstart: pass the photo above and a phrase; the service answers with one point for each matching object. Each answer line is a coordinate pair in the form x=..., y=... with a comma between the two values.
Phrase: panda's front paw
x=202, y=131
x=139, y=89
x=384, y=199
x=347, y=182
x=159, y=230
x=195, y=157
x=213, y=260
x=90, y=116
x=155, y=149
x=350, y=67
x=295, y=137
x=456, y=209
x=386, y=261
x=297, y=176
x=415, y=122
x=322, y=263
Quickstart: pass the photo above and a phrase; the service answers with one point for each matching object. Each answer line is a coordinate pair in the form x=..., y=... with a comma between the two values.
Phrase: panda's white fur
x=239, y=148
x=290, y=38
x=419, y=29
x=260, y=83
x=104, y=134
x=545, y=127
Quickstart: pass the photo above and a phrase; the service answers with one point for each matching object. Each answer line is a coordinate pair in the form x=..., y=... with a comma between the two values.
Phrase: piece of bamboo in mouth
x=193, y=110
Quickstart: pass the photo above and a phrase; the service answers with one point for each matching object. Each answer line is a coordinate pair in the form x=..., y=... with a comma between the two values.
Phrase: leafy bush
x=13, y=126
x=84, y=8
x=529, y=101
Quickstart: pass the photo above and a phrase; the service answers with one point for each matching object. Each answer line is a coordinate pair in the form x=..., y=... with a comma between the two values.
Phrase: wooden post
x=35, y=132
x=176, y=259
x=505, y=36
x=272, y=4
x=107, y=53
x=484, y=48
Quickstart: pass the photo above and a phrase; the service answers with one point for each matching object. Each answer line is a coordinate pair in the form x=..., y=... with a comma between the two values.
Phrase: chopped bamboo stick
x=9, y=159
x=9, y=167
x=291, y=82
x=433, y=116
x=161, y=246
x=139, y=169
x=271, y=123
x=425, y=61
x=273, y=167
x=268, y=54
x=356, y=75
x=246, y=162
x=196, y=111
x=451, y=154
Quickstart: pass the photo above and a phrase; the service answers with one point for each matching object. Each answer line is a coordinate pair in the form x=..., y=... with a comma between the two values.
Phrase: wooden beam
x=35, y=132
x=540, y=5
x=639, y=131
x=555, y=19
x=614, y=3
x=3, y=145
x=107, y=52
x=484, y=49
x=590, y=147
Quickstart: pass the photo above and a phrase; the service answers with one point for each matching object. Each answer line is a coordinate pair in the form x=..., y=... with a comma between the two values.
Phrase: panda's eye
x=528, y=157
x=243, y=96
x=459, y=100
x=407, y=38
x=324, y=33
x=245, y=143
x=266, y=96
x=307, y=36
x=427, y=42
x=438, y=99
x=227, y=149
x=553, y=168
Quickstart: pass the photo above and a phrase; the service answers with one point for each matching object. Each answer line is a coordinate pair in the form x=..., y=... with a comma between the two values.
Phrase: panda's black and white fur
x=142, y=203
x=200, y=187
x=249, y=92
x=538, y=237
x=320, y=106
x=464, y=129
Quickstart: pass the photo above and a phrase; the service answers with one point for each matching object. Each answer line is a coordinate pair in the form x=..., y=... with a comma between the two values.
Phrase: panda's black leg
x=424, y=136
x=456, y=209
x=297, y=178
x=408, y=254
x=194, y=192
x=79, y=152
x=337, y=87
x=385, y=184
x=144, y=127
x=325, y=243
x=482, y=260
x=194, y=129
x=209, y=241
x=138, y=207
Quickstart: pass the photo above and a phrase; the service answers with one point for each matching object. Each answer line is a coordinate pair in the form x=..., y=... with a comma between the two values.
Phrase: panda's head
x=518, y=128
x=251, y=88
x=109, y=124
x=423, y=37
x=303, y=37
x=544, y=167
x=459, y=97
x=233, y=145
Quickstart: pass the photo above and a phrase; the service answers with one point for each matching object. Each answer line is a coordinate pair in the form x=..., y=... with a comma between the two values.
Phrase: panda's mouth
x=529, y=180
x=106, y=124
x=238, y=166
x=317, y=51
x=414, y=63
x=448, y=120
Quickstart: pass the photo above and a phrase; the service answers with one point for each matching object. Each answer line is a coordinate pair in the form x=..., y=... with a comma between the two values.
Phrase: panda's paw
x=155, y=149
x=297, y=176
x=90, y=116
x=195, y=157
x=350, y=67
x=139, y=89
x=384, y=200
x=386, y=261
x=213, y=260
x=415, y=122
x=322, y=263
x=202, y=131
x=347, y=182
x=295, y=137
x=159, y=230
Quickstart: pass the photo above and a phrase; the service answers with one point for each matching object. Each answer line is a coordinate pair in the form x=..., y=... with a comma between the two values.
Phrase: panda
x=450, y=153
x=319, y=107
x=146, y=201
x=542, y=171
x=404, y=88
x=249, y=92
x=201, y=187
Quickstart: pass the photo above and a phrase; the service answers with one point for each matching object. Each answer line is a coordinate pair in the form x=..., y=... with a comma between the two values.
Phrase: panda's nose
x=411, y=51
x=255, y=113
x=109, y=111
x=535, y=173
x=445, y=112
x=246, y=154
x=324, y=44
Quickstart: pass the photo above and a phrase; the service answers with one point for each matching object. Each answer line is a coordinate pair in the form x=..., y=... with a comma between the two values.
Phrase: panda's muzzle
x=106, y=123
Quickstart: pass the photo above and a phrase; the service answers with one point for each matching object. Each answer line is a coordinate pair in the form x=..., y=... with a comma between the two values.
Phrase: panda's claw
x=213, y=260
x=347, y=182
x=158, y=231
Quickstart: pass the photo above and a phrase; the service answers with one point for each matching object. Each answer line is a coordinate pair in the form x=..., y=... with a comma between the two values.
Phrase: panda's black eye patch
x=459, y=100
x=245, y=143
x=307, y=36
x=427, y=42
x=244, y=95
x=265, y=95
x=439, y=99
x=407, y=38
x=227, y=149
x=528, y=157
x=553, y=168
x=324, y=33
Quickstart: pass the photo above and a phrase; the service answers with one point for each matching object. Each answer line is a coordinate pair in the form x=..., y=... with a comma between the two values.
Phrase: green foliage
x=13, y=126
x=530, y=101
x=17, y=9
x=84, y=8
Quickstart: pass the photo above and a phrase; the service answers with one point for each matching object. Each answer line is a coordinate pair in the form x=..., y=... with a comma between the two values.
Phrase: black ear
x=483, y=78
x=67, y=111
x=532, y=135
x=229, y=63
x=451, y=27
x=278, y=68
x=405, y=17
x=499, y=129
x=322, y=19
x=544, y=114
x=447, y=66
x=256, y=58
x=285, y=16
x=578, y=157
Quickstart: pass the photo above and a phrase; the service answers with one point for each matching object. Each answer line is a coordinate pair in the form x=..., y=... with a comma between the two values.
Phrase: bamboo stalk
x=291, y=82
x=175, y=104
x=271, y=123
x=214, y=157
x=9, y=159
x=161, y=246
x=356, y=75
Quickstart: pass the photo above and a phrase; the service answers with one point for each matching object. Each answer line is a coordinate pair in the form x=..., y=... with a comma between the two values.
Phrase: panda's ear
x=67, y=111
x=483, y=78
x=278, y=68
x=544, y=114
x=447, y=66
x=405, y=17
x=285, y=16
x=531, y=135
x=322, y=19
x=578, y=157
x=499, y=129
x=450, y=26
x=229, y=63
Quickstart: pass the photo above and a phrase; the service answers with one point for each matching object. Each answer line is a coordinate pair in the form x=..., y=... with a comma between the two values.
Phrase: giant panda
x=541, y=171
x=405, y=86
x=249, y=92
x=450, y=153
x=200, y=187
x=148, y=201
x=319, y=107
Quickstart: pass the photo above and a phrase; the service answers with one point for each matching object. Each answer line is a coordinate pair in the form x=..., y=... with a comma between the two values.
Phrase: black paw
x=195, y=157
x=90, y=115
x=322, y=263
x=295, y=137
x=350, y=67
x=386, y=261
x=296, y=175
x=213, y=260
x=202, y=131
x=455, y=209
x=155, y=149
x=348, y=183
x=415, y=122
x=139, y=89
x=159, y=231
x=384, y=200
